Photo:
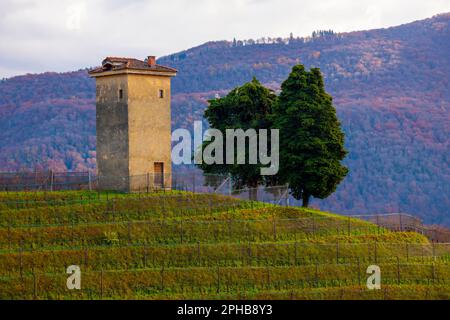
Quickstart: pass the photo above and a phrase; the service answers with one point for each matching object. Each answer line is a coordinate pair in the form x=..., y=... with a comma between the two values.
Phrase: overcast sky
x=64, y=35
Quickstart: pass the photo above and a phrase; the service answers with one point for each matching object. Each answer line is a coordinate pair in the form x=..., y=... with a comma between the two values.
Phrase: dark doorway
x=158, y=169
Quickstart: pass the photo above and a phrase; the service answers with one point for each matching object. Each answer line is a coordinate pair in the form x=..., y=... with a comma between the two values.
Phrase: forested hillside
x=390, y=88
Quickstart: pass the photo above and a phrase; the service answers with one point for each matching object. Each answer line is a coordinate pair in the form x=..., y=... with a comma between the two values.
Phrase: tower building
x=133, y=124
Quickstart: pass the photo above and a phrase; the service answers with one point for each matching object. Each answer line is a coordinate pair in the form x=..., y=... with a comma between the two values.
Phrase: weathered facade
x=133, y=124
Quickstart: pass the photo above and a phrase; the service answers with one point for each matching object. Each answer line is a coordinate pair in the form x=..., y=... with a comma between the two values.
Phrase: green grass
x=179, y=245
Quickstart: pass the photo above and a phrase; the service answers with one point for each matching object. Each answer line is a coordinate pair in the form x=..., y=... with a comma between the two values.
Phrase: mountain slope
x=390, y=88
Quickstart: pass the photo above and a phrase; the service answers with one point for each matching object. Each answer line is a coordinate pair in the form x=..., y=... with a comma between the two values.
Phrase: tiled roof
x=121, y=63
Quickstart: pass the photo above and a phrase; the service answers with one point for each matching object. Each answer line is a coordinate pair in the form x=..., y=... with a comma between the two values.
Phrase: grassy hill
x=179, y=245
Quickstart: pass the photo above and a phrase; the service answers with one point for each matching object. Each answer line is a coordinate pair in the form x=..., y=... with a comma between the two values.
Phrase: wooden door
x=158, y=170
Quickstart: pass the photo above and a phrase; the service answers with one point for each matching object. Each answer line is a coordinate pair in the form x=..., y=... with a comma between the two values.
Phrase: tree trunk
x=305, y=198
x=253, y=194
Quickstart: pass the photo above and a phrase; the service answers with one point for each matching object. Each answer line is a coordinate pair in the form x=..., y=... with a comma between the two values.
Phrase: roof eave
x=95, y=74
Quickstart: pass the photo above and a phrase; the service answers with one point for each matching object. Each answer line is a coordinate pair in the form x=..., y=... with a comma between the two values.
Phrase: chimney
x=151, y=61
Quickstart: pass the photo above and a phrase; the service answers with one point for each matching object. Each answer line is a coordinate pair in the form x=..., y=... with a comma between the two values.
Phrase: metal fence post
x=434, y=251
x=89, y=181
x=274, y=229
x=51, y=180
x=378, y=224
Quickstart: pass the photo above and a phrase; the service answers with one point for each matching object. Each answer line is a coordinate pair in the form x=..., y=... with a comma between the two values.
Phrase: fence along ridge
x=188, y=182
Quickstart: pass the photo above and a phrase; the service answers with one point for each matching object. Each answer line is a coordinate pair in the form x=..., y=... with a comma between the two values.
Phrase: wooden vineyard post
x=433, y=275
x=218, y=279
x=296, y=251
x=34, y=285
x=337, y=252
x=181, y=231
x=86, y=255
x=376, y=251
x=198, y=252
x=434, y=251
x=9, y=235
x=129, y=232
x=144, y=255
x=274, y=229
x=21, y=259
x=162, y=279
x=348, y=226
x=101, y=284
x=316, y=275
x=407, y=252
x=72, y=230
x=359, y=271
x=314, y=225
x=51, y=180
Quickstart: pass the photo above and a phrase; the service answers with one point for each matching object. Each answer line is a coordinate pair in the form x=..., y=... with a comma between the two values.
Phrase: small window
x=120, y=94
x=161, y=94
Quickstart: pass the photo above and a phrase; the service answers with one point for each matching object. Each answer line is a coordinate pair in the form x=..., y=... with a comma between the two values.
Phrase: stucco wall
x=133, y=132
x=149, y=124
x=112, y=132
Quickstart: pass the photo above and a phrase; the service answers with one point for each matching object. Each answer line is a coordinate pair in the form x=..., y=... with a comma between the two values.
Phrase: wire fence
x=406, y=222
x=180, y=245
x=149, y=183
x=182, y=181
x=177, y=231
x=158, y=282
x=203, y=254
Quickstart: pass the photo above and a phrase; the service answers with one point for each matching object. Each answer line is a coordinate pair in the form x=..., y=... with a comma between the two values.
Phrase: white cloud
x=50, y=35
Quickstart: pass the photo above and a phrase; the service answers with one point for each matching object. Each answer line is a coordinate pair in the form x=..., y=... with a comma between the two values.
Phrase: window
x=120, y=94
x=161, y=94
